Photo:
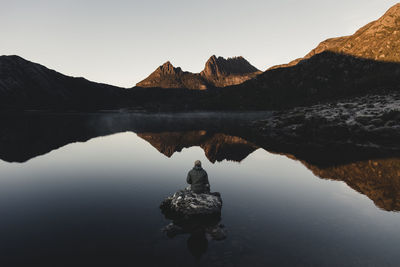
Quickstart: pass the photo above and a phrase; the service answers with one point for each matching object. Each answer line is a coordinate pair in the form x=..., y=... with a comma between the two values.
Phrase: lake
x=85, y=189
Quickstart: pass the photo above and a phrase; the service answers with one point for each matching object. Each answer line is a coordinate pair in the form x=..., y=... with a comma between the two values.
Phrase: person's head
x=197, y=163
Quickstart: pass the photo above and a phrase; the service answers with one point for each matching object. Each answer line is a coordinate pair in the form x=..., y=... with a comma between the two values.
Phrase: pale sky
x=121, y=42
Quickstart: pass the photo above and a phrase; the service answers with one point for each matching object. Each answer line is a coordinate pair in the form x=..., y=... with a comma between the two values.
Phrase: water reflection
x=222, y=136
x=200, y=231
x=96, y=203
x=216, y=146
x=379, y=179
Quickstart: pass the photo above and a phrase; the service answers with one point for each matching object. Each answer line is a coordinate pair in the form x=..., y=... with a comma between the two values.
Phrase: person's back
x=198, y=179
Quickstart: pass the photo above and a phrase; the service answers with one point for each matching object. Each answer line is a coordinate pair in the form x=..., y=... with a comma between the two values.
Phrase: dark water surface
x=84, y=190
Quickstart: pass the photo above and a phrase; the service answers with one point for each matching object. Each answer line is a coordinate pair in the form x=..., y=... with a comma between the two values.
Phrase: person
x=198, y=179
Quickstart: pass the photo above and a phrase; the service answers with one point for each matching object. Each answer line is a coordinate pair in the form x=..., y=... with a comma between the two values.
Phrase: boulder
x=196, y=214
x=186, y=203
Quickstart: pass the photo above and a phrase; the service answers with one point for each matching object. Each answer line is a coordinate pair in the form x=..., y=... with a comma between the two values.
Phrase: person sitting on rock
x=198, y=179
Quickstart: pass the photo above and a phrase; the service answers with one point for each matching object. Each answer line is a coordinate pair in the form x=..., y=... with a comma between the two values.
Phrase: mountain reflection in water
x=222, y=136
x=216, y=146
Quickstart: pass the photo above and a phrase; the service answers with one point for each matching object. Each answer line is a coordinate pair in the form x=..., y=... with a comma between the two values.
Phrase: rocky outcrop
x=218, y=72
x=185, y=203
x=221, y=72
x=167, y=76
x=371, y=121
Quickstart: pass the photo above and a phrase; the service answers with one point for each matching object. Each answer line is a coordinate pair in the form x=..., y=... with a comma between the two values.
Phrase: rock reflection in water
x=198, y=215
x=200, y=231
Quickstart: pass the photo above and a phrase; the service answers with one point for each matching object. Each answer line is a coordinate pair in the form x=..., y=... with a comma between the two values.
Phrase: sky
x=121, y=42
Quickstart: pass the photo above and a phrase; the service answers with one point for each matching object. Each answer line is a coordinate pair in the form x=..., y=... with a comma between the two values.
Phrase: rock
x=377, y=122
x=390, y=123
x=218, y=232
x=364, y=120
x=221, y=72
x=349, y=121
x=198, y=215
x=185, y=203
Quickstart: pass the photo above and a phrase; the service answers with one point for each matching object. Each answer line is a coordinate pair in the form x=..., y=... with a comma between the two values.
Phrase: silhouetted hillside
x=24, y=84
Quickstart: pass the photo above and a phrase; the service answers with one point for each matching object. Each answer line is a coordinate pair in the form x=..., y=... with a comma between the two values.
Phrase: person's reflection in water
x=201, y=230
x=197, y=244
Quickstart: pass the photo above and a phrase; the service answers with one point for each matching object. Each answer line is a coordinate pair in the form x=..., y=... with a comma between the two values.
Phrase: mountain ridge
x=366, y=62
x=217, y=72
x=377, y=40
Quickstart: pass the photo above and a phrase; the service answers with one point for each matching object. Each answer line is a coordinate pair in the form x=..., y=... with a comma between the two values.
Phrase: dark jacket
x=198, y=178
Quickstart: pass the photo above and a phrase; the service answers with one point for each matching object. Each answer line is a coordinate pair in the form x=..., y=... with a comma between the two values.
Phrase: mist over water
x=90, y=199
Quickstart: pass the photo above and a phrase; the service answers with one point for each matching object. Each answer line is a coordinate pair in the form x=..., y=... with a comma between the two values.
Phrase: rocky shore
x=371, y=121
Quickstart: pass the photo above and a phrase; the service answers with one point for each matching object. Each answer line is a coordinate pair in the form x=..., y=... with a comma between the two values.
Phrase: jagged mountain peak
x=168, y=69
x=220, y=66
x=167, y=64
x=168, y=76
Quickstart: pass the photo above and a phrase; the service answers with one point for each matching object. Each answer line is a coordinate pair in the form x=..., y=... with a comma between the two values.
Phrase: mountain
x=378, y=40
x=367, y=62
x=221, y=72
x=30, y=85
x=167, y=76
x=364, y=63
x=218, y=72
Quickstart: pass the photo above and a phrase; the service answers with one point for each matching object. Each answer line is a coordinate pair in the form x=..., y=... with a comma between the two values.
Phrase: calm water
x=96, y=203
